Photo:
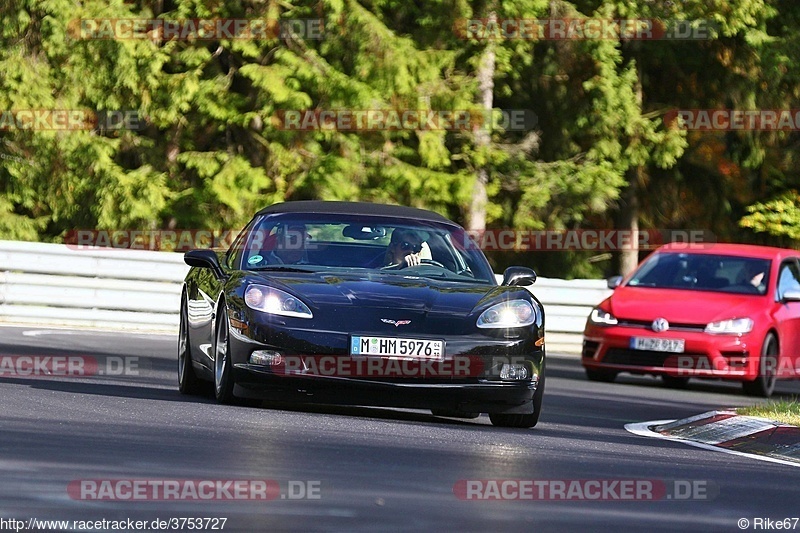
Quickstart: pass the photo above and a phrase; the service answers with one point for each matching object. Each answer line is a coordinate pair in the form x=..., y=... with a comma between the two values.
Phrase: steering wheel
x=432, y=262
x=398, y=266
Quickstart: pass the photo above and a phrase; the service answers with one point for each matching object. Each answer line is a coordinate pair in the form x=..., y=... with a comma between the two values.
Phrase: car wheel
x=764, y=384
x=672, y=382
x=603, y=376
x=223, y=368
x=522, y=421
x=223, y=375
x=188, y=383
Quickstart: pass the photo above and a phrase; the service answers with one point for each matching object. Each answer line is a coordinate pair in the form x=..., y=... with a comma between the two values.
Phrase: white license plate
x=396, y=347
x=657, y=345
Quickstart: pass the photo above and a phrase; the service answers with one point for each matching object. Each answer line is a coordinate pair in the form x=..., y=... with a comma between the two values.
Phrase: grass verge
x=787, y=412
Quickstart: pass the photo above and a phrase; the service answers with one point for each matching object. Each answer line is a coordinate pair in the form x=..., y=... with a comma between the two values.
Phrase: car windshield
x=705, y=272
x=309, y=242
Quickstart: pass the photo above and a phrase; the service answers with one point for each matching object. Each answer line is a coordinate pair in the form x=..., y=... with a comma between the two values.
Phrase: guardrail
x=109, y=288
x=567, y=304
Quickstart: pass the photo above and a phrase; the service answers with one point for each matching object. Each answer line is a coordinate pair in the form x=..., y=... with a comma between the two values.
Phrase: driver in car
x=406, y=249
x=286, y=247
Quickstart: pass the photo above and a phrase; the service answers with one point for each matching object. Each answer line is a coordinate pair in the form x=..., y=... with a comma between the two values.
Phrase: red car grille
x=646, y=324
x=623, y=356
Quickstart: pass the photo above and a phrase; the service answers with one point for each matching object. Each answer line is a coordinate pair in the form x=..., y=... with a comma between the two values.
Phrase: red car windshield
x=704, y=272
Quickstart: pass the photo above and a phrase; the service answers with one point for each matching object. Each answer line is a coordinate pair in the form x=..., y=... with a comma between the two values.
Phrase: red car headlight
x=602, y=318
x=732, y=326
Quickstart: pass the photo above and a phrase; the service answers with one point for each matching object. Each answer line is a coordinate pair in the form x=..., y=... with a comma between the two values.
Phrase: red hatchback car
x=728, y=311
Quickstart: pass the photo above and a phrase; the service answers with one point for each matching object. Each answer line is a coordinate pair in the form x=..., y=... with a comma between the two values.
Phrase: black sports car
x=362, y=304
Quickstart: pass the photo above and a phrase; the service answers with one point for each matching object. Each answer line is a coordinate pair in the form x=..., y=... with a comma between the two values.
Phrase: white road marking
x=643, y=430
x=90, y=333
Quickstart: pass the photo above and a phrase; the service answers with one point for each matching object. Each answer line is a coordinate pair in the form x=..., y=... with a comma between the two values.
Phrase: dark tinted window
x=329, y=241
x=719, y=273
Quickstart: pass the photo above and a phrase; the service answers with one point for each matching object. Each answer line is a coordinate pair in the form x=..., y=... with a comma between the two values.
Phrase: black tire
x=764, y=385
x=223, y=372
x=188, y=382
x=223, y=369
x=522, y=421
x=602, y=376
x=673, y=382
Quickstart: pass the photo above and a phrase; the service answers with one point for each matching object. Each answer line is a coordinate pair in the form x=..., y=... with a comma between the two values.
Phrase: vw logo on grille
x=660, y=324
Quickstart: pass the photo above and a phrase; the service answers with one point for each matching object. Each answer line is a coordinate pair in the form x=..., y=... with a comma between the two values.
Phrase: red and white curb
x=727, y=432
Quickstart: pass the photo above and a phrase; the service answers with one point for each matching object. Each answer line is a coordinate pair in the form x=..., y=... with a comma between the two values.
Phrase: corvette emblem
x=396, y=322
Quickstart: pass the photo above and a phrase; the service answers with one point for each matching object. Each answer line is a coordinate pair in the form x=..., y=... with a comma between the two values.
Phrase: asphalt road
x=365, y=468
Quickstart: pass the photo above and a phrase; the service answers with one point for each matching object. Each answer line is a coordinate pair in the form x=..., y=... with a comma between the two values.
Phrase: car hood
x=679, y=306
x=379, y=303
x=385, y=291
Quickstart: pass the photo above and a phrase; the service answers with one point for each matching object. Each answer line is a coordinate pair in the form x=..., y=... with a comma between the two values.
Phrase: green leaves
x=212, y=146
x=779, y=217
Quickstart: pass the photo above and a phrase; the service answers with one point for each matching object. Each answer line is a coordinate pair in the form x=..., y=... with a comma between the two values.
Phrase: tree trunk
x=476, y=217
x=628, y=219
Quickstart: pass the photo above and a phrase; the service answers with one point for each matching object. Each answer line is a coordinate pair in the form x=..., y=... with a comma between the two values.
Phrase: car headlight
x=511, y=314
x=275, y=302
x=602, y=318
x=735, y=326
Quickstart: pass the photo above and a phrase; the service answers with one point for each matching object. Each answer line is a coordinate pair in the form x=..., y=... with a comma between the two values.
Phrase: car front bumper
x=733, y=357
x=482, y=396
x=477, y=388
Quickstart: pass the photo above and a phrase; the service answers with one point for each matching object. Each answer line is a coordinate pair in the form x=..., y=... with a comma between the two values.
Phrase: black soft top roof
x=354, y=208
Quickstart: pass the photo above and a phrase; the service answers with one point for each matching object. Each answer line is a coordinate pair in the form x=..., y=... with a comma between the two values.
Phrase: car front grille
x=647, y=324
x=624, y=356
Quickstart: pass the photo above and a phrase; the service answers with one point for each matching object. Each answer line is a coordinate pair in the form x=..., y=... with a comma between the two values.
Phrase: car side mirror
x=614, y=282
x=204, y=259
x=519, y=276
x=791, y=296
